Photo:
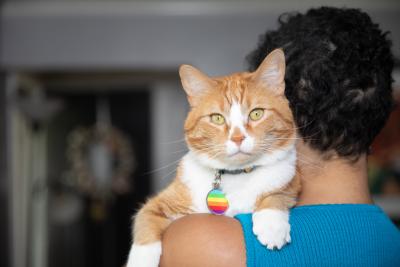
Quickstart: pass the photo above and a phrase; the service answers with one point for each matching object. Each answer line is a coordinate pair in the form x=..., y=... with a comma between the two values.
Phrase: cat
x=241, y=138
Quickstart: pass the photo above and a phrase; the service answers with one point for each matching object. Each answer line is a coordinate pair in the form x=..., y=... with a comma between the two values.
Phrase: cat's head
x=241, y=119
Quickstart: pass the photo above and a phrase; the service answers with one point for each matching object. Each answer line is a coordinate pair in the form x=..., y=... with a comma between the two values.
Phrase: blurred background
x=92, y=111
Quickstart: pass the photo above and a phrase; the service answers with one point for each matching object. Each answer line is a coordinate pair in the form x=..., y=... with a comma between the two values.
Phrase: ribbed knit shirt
x=330, y=235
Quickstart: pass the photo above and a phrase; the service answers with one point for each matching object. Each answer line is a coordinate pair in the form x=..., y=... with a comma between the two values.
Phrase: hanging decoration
x=101, y=157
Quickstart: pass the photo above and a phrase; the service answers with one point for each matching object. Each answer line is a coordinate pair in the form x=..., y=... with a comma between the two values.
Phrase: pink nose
x=237, y=139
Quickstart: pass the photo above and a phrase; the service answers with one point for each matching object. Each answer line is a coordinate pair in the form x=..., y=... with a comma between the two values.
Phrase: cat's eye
x=256, y=114
x=217, y=119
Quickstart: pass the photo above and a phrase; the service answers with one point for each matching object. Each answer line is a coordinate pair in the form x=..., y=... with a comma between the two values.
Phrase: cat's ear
x=194, y=82
x=271, y=72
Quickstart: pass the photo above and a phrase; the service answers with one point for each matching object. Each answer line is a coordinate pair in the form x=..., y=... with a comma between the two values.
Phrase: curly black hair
x=338, y=76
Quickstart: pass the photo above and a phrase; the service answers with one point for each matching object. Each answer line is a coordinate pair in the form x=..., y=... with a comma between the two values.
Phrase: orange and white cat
x=237, y=122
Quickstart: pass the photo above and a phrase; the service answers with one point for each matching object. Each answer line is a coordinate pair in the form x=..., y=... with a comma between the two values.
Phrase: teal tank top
x=330, y=235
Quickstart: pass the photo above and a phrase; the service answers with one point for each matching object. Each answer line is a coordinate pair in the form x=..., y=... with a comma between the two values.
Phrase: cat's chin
x=236, y=161
x=240, y=158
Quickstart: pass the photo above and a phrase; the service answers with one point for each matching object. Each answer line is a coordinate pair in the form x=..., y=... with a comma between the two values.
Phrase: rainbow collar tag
x=216, y=199
x=217, y=202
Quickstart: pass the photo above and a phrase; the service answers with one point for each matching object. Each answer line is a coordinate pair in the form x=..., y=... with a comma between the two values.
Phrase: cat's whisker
x=267, y=148
x=173, y=142
x=308, y=136
x=180, y=151
x=216, y=155
x=168, y=174
x=283, y=138
x=309, y=163
x=300, y=127
x=302, y=160
x=214, y=150
x=289, y=138
x=209, y=147
x=163, y=167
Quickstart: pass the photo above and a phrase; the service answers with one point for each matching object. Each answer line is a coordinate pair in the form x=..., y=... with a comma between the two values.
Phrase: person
x=338, y=82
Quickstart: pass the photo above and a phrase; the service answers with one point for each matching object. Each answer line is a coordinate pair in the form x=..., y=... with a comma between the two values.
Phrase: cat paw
x=144, y=255
x=272, y=227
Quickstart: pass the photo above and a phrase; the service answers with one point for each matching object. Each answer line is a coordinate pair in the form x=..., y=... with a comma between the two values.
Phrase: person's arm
x=200, y=240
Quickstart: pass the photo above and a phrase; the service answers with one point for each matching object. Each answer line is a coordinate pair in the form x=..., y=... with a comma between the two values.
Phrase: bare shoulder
x=204, y=240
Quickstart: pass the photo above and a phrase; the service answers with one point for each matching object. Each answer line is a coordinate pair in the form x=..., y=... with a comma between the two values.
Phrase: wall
x=4, y=211
x=214, y=36
x=169, y=108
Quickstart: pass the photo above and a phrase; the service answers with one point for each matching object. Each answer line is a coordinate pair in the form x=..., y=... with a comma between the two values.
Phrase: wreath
x=101, y=161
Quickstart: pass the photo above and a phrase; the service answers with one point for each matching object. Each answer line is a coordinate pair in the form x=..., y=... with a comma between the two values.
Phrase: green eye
x=217, y=119
x=256, y=114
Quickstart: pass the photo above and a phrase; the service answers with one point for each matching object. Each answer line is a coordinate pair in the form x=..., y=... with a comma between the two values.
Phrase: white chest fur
x=243, y=189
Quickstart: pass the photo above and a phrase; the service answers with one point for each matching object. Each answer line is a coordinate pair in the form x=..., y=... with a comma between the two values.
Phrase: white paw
x=272, y=227
x=145, y=255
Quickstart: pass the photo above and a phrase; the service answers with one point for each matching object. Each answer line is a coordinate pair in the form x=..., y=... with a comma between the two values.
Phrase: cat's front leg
x=151, y=222
x=148, y=228
x=271, y=215
x=272, y=227
x=145, y=255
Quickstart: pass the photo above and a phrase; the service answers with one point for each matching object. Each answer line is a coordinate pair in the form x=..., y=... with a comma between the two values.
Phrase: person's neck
x=332, y=181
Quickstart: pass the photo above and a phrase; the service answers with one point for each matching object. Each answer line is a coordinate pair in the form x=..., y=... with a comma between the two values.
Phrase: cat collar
x=216, y=200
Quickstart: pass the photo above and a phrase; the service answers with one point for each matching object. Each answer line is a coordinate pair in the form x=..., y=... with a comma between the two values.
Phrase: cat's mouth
x=240, y=153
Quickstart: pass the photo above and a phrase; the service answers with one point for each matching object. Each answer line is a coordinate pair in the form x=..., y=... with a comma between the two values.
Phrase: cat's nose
x=237, y=139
